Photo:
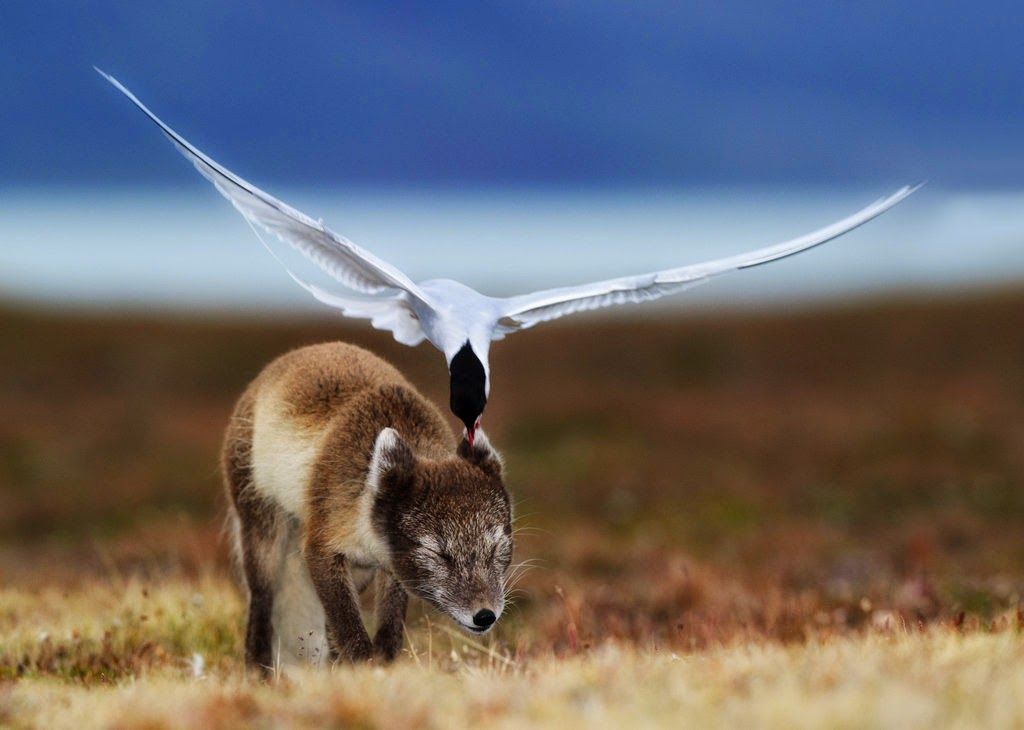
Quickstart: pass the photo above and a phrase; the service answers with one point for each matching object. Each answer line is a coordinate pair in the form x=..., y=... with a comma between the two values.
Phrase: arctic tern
x=458, y=320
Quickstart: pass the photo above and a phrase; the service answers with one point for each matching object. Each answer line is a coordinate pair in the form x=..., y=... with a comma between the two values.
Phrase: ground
x=776, y=519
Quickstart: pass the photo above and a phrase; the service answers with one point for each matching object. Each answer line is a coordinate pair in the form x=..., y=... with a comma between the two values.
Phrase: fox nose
x=484, y=618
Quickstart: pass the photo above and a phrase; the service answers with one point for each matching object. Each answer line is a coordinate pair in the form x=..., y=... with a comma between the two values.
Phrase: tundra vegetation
x=787, y=519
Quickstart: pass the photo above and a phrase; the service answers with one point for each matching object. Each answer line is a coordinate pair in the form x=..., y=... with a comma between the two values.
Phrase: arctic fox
x=338, y=471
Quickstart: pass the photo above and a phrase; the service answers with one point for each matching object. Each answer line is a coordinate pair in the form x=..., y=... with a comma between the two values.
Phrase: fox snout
x=484, y=618
x=480, y=621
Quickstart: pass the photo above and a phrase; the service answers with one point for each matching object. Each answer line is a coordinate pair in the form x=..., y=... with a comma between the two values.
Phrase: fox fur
x=339, y=474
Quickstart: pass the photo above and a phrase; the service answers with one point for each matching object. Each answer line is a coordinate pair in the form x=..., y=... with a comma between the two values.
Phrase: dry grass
x=785, y=520
x=895, y=678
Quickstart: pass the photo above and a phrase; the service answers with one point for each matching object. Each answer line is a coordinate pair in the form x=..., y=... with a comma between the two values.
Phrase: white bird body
x=457, y=314
x=455, y=318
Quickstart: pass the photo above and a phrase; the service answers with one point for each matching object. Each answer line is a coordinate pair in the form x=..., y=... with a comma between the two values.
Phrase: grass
x=777, y=520
x=937, y=677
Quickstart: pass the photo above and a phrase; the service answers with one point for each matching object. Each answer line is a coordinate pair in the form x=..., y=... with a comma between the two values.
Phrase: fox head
x=447, y=526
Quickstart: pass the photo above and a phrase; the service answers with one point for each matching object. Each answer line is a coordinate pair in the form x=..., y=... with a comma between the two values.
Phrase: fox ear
x=481, y=453
x=392, y=461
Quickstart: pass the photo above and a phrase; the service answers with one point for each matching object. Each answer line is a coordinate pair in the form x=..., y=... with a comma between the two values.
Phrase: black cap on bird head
x=468, y=389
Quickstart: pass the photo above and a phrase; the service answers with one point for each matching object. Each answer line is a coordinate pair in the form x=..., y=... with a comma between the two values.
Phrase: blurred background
x=512, y=146
x=803, y=447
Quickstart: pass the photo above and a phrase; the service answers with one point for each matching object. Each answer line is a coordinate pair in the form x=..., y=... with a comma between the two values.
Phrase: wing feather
x=385, y=313
x=527, y=310
x=355, y=267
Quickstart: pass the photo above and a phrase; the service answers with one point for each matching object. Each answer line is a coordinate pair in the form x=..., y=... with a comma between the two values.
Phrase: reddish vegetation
x=679, y=481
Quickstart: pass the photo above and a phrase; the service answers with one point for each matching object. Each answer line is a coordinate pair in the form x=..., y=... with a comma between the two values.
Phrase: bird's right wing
x=530, y=309
x=352, y=266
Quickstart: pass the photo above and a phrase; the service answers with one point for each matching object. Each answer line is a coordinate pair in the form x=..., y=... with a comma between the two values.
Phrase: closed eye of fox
x=340, y=473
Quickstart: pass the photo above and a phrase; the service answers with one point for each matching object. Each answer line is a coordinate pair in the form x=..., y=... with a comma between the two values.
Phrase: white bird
x=458, y=320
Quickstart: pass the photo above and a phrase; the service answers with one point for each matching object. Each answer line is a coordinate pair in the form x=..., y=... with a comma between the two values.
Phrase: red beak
x=471, y=432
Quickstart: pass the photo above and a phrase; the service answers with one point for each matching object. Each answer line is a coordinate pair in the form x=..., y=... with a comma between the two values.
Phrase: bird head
x=468, y=389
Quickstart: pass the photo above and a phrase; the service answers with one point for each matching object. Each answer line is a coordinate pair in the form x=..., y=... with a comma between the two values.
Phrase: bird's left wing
x=346, y=262
x=527, y=310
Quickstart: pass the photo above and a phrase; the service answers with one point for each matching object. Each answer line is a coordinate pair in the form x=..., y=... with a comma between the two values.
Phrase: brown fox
x=338, y=470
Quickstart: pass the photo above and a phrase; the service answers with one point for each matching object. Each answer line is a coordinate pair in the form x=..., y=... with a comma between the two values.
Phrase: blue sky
x=566, y=93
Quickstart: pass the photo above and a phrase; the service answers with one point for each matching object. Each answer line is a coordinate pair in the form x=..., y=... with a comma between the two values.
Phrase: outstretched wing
x=527, y=310
x=346, y=262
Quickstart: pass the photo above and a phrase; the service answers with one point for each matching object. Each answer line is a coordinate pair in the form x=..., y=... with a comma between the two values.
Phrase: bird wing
x=391, y=312
x=527, y=310
x=346, y=262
